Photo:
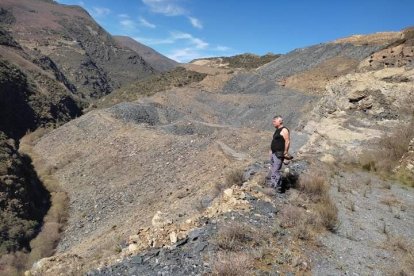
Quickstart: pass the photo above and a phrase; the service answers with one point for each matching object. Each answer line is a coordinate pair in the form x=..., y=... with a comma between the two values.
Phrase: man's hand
x=287, y=156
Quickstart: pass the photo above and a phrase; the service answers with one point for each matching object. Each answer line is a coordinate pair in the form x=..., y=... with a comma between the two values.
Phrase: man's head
x=277, y=121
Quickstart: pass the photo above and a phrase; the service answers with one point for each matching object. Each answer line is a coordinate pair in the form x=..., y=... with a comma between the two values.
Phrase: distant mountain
x=66, y=41
x=156, y=60
x=242, y=61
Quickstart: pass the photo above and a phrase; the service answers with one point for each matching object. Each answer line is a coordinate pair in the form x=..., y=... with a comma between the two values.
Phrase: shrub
x=233, y=236
x=290, y=216
x=390, y=149
x=232, y=264
x=404, y=253
x=44, y=244
x=234, y=177
x=328, y=213
x=236, y=236
x=316, y=186
x=313, y=184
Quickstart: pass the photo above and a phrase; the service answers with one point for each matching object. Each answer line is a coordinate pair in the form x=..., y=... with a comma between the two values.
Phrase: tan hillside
x=377, y=38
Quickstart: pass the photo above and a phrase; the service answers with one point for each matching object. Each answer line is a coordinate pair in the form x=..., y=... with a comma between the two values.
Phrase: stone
x=228, y=193
x=173, y=237
x=328, y=158
x=356, y=96
x=133, y=247
x=200, y=247
x=160, y=219
x=193, y=235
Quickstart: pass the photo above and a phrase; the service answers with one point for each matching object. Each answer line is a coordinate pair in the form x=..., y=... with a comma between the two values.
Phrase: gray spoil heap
x=151, y=113
x=303, y=59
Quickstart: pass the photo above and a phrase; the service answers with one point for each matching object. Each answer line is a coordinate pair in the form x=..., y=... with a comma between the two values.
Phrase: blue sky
x=187, y=29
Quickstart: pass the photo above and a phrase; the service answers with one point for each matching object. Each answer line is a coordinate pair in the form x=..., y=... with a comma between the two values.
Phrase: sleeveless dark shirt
x=278, y=142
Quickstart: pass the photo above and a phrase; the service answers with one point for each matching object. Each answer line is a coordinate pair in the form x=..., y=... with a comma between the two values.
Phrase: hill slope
x=54, y=59
x=159, y=62
x=75, y=45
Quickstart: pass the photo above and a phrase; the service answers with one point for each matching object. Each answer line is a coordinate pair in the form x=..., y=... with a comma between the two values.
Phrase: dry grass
x=234, y=177
x=328, y=213
x=31, y=138
x=390, y=149
x=390, y=201
x=386, y=185
x=290, y=216
x=54, y=221
x=269, y=191
x=314, y=185
x=45, y=242
x=232, y=264
x=307, y=228
x=404, y=251
x=236, y=236
x=406, y=177
x=218, y=188
x=13, y=264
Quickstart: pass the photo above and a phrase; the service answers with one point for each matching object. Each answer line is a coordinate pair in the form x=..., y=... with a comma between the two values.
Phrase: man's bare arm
x=286, y=136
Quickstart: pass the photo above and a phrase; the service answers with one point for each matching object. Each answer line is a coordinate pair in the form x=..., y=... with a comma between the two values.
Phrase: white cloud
x=154, y=41
x=184, y=55
x=187, y=47
x=81, y=3
x=123, y=15
x=171, y=8
x=166, y=7
x=222, y=48
x=100, y=12
x=195, y=22
x=127, y=23
x=173, y=38
x=145, y=23
x=197, y=42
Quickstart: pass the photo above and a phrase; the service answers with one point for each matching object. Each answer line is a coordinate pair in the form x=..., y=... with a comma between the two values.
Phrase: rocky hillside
x=54, y=60
x=23, y=202
x=175, y=182
x=177, y=77
x=78, y=48
x=156, y=60
x=243, y=61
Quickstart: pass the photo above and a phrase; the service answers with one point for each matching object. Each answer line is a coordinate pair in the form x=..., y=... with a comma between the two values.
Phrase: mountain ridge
x=158, y=61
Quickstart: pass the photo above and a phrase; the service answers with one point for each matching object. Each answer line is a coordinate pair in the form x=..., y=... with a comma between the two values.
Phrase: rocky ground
x=375, y=235
x=142, y=176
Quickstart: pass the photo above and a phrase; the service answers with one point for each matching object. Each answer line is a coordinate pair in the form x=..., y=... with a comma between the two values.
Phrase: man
x=279, y=150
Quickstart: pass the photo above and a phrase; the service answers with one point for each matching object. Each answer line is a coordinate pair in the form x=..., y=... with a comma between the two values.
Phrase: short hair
x=277, y=117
